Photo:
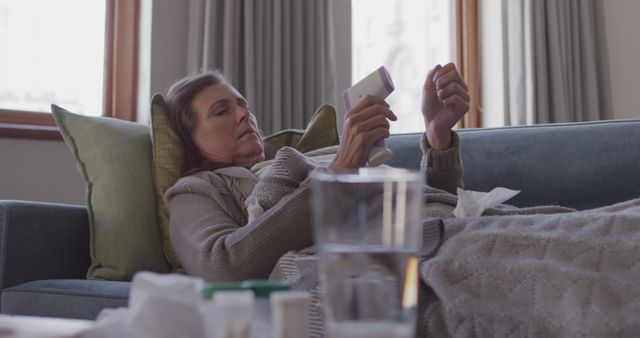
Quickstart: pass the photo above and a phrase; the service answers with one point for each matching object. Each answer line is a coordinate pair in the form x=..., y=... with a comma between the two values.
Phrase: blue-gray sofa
x=44, y=248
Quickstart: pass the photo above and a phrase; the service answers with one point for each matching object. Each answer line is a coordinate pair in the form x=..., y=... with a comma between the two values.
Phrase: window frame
x=468, y=58
x=120, y=78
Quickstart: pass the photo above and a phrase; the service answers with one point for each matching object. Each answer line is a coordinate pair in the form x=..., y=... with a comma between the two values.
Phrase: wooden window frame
x=120, y=78
x=468, y=58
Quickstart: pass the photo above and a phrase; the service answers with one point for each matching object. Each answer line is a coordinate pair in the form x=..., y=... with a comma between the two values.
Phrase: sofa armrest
x=42, y=241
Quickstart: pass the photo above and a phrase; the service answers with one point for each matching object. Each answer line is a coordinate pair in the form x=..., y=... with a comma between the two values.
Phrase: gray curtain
x=279, y=53
x=555, y=64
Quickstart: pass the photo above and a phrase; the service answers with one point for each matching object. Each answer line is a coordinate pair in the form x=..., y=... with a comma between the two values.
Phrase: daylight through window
x=408, y=37
x=52, y=52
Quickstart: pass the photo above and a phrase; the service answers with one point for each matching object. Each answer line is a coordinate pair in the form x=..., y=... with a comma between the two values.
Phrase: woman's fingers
x=366, y=123
x=447, y=75
x=457, y=104
x=366, y=101
x=429, y=84
x=451, y=102
x=372, y=123
x=453, y=88
x=450, y=77
x=355, y=117
x=356, y=132
x=354, y=150
x=365, y=140
x=374, y=135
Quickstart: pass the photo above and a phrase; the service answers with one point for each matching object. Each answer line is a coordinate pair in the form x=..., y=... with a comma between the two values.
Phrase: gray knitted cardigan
x=209, y=226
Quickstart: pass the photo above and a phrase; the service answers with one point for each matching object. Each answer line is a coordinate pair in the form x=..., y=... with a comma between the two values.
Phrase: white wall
x=621, y=19
x=170, y=25
x=39, y=171
x=163, y=49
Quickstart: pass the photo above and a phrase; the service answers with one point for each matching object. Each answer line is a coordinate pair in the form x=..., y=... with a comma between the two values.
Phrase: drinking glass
x=367, y=230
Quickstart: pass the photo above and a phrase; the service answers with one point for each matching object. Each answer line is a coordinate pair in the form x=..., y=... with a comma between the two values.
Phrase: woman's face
x=226, y=131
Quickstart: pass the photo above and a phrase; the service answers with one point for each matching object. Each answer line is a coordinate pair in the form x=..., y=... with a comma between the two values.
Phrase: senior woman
x=540, y=271
x=210, y=228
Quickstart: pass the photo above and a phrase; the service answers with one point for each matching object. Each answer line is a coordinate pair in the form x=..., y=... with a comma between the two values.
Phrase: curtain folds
x=279, y=53
x=554, y=69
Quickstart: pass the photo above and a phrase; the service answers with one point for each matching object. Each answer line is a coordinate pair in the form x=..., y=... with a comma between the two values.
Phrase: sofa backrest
x=580, y=165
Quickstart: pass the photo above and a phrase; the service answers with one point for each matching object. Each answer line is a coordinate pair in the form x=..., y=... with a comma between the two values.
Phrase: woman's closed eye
x=219, y=109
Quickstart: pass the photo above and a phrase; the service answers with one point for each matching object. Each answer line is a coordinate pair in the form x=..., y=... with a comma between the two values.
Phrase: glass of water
x=367, y=230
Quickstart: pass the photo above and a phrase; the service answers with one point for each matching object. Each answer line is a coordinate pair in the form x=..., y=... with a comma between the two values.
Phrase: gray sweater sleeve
x=211, y=242
x=442, y=169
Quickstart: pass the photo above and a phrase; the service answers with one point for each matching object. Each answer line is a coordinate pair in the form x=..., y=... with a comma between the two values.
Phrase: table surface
x=40, y=327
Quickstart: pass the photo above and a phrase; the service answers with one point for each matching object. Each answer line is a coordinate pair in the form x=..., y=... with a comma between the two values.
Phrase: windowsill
x=30, y=131
x=19, y=124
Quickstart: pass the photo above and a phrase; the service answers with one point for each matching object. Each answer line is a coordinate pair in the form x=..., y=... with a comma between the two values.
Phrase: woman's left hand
x=445, y=100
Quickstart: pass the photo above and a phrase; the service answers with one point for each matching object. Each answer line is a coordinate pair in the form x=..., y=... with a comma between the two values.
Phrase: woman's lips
x=247, y=132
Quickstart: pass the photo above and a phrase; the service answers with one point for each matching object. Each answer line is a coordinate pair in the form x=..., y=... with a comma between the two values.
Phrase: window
x=58, y=60
x=408, y=37
x=67, y=52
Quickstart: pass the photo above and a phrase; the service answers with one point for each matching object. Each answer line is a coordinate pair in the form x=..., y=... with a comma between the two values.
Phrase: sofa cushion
x=64, y=298
x=579, y=165
x=321, y=132
x=114, y=158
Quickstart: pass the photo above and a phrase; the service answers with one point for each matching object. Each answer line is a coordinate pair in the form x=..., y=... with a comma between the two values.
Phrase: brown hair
x=183, y=118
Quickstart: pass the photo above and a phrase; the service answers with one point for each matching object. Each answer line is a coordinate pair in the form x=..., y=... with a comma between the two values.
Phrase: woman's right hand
x=364, y=124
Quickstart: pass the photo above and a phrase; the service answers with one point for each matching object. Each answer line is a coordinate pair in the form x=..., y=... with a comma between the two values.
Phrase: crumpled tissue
x=474, y=203
x=160, y=306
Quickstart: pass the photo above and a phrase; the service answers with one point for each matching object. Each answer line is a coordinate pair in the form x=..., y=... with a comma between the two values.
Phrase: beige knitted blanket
x=532, y=272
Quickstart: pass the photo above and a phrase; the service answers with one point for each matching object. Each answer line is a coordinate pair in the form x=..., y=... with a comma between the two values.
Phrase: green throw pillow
x=322, y=131
x=167, y=153
x=115, y=159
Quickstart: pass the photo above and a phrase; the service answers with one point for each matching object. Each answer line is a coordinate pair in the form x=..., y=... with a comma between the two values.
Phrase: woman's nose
x=241, y=113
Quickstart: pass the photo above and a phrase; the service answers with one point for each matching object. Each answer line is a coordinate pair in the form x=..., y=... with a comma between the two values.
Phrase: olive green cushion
x=114, y=158
x=167, y=156
x=321, y=132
